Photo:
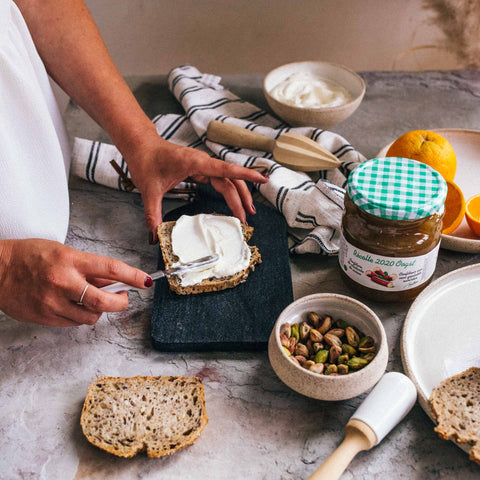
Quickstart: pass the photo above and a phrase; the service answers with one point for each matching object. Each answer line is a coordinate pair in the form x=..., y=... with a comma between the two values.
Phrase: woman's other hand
x=41, y=281
x=157, y=166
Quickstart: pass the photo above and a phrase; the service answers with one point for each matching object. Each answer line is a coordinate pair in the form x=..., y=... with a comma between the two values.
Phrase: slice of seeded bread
x=456, y=406
x=212, y=284
x=158, y=414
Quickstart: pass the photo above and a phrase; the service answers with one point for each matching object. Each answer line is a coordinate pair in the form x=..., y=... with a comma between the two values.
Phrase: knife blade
x=200, y=262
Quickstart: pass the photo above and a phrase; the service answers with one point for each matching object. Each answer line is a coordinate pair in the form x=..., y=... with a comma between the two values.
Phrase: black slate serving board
x=235, y=319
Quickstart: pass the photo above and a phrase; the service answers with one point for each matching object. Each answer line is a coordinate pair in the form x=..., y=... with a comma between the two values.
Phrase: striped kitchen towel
x=311, y=207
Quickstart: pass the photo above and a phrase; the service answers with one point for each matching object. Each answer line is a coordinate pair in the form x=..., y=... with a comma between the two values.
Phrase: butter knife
x=200, y=262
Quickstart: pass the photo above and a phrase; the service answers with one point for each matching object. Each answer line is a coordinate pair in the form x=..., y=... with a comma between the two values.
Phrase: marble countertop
x=258, y=428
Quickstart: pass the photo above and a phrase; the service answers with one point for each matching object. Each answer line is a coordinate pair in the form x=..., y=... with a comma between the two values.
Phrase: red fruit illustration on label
x=381, y=277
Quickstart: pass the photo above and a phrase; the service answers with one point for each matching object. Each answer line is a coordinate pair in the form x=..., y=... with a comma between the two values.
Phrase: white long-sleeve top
x=34, y=150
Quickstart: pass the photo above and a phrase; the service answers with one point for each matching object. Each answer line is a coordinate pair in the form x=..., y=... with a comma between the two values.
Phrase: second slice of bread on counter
x=212, y=284
x=126, y=415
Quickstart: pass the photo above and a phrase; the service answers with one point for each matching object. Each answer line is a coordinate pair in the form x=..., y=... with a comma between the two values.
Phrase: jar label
x=386, y=273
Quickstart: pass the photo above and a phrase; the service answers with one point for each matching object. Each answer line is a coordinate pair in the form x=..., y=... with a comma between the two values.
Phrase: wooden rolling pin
x=386, y=405
x=358, y=437
x=291, y=150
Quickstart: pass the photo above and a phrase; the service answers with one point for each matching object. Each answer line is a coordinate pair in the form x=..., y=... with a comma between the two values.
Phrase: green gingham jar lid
x=397, y=188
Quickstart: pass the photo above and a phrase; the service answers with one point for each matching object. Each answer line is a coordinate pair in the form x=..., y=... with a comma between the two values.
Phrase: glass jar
x=391, y=228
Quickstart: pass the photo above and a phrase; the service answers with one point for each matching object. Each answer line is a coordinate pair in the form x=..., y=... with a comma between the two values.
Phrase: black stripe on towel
x=306, y=182
x=281, y=131
x=284, y=195
x=89, y=161
x=274, y=168
x=211, y=106
x=346, y=147
x=95, y=161
x=254, y=116
x=188, y=90
x=316, y=133
x=170, y=130
x=347, y=150
x=317, y=239
x=195, y=144
x=303, y=218
x=157, y=118
x=180, y=77
x=278, y=196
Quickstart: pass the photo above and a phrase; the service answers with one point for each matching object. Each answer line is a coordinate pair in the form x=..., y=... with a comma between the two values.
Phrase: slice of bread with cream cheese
x=193, y=237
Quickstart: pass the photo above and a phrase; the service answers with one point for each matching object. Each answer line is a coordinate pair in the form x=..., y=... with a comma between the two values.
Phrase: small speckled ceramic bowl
x=325, y=387
x=320, y=117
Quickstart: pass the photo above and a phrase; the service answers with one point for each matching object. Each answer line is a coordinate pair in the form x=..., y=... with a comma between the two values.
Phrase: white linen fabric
x=312, y=208
x=34, y=150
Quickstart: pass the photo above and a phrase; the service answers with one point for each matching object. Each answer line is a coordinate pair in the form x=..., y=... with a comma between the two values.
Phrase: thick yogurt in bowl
x=313, y=93
x=302, y=89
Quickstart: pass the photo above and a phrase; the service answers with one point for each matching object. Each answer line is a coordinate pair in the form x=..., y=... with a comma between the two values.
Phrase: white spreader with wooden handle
x=386, y=405
x=291, y=150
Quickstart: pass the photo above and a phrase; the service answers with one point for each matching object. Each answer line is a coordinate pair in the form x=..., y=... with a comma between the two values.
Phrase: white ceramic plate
x=466, y=144
x=441, y=334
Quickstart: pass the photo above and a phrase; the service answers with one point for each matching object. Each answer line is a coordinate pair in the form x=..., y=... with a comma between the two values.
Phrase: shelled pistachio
x=294, y=332
x=352, y=337
x=324, y=324
x=332, y=368
x=304, y=330
x=313, y=319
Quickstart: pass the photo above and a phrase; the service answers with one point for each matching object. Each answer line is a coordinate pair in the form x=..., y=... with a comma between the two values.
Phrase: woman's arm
x=75, y=55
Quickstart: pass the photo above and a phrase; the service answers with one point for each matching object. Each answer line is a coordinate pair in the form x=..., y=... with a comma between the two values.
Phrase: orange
x=473, y=213
x=454, y=208
x=426, y=147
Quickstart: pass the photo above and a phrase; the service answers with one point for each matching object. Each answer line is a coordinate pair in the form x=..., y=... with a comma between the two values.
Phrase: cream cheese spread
x=205, y=234
x=304, y=90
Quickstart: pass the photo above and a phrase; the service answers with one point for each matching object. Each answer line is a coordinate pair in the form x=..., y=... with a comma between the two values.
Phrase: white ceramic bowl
x=320, y=117
x=325, y=387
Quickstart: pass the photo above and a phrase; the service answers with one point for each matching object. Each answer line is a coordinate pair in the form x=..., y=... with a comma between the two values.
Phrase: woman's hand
x=157, y=165
x=41, y=281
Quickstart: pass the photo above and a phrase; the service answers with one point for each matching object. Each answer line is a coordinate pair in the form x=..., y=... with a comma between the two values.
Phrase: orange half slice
x=454, y=208
x=472, y=213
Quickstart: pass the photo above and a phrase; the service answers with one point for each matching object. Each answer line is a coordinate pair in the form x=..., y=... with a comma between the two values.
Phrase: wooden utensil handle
x=235, y=136
x=359, y=436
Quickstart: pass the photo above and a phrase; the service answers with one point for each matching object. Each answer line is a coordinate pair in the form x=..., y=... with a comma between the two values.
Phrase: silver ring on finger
x=80, y=302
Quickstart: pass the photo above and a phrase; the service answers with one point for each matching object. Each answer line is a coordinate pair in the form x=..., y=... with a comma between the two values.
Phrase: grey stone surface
x=258, y=428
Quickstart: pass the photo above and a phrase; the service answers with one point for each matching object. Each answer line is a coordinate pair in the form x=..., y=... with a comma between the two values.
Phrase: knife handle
x=123, y=287
x=235, y=136
x=116, y=287
x=199, y=262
